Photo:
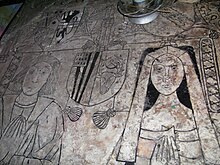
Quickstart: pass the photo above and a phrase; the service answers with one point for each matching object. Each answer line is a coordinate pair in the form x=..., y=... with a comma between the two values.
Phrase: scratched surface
x=80, y=84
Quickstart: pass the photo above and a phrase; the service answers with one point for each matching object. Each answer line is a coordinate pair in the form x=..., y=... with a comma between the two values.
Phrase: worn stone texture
x=189, y=1
x=82, y=85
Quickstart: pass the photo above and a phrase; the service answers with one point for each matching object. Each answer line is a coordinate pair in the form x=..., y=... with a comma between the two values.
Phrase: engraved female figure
x=173, y=126
x=32, y=122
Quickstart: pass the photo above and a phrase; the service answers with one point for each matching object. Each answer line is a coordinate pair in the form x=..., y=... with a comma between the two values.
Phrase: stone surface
x=82, y=85
x=189, y=1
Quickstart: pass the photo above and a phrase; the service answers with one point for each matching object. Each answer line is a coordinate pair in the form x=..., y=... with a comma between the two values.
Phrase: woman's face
x=167, y=73
x=35, y=78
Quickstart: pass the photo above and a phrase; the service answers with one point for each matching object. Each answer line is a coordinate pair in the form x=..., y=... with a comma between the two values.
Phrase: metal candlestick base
x=144, y=19
x=140, y=13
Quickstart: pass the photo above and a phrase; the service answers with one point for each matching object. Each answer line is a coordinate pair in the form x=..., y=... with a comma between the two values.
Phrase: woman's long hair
x=49, y=87
x=182, y=91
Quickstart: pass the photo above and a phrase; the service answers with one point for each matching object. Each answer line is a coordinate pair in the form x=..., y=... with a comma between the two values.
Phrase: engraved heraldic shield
x=97, y=76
